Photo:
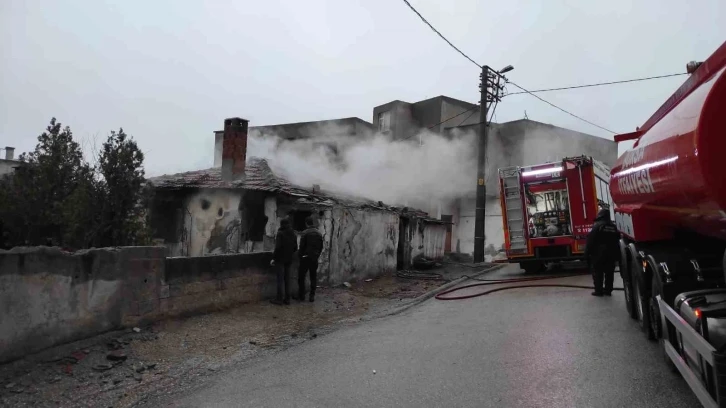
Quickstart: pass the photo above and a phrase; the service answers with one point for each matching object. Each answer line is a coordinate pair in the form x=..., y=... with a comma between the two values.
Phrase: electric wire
x=466, y=118
x=440, y=35
x=563, y=110
x=443, y=121
x=478, y=65
x=597, y=84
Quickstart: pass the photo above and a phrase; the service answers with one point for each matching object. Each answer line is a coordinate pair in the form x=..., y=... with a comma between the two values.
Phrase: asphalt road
x=539, y=347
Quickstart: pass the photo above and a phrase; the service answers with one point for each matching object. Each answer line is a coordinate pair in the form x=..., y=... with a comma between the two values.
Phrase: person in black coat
x=602, y=252
x=285, y=247
x=311, y=245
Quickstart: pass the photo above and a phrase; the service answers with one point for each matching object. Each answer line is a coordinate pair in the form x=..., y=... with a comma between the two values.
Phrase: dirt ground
x=118, y=369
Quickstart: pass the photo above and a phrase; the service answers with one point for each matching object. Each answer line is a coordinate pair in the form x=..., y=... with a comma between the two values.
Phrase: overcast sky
x=169, y=72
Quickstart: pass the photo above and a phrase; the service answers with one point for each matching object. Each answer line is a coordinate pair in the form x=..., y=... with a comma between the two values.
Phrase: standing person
x=285, y=247
x=602, y=252
x=311, y=245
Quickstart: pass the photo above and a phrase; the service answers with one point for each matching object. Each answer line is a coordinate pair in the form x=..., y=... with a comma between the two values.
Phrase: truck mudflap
x=710, y=384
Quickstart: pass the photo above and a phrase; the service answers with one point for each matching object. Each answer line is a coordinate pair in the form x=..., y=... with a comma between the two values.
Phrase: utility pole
x=490, y=87
x=481, y=185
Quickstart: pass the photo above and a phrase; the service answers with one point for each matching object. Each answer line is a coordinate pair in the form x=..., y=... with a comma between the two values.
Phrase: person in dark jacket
x=311, y=245
x=285, y=247
x=602, y=253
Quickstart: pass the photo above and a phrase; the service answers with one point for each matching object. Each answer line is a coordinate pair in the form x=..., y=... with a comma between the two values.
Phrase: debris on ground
x=116, y=355
x=423, y=263
x=121, y=368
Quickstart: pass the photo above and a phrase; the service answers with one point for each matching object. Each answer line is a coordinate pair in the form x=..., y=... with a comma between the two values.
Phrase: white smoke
x=424, y=168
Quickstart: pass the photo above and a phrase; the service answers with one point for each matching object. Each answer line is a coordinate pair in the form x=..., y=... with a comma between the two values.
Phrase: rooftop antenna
x=525, y=115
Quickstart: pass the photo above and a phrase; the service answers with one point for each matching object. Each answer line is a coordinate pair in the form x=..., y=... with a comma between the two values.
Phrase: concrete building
x=237, y=208
x=9, y=163
x=346, y=127
x=404, y=120
x=516, y=143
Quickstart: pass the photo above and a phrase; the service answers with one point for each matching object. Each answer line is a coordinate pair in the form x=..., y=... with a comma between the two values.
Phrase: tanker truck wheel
x=626, y=273
x=642, y=306
x=655, y=321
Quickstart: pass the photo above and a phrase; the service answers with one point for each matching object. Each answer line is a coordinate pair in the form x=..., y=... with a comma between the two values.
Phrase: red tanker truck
x=669, y=195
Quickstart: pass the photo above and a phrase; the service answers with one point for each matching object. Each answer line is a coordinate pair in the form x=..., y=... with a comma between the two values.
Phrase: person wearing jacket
x=602, y=252
x=311, y=245
x=285, y=247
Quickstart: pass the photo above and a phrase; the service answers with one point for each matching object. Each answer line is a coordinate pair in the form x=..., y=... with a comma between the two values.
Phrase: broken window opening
x=298, y=217
x=253, y=208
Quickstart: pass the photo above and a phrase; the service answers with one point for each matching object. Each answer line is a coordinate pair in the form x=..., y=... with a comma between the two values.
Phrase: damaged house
x=237, y=208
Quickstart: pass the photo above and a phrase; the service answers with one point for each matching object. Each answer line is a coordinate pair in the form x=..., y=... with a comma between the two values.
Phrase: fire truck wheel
x=532, y=267
x=642, y=305
x=654, y=309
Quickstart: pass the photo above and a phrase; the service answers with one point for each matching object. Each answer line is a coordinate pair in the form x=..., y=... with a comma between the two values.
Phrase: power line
x=472, y=110
x=466, y=118
x=599, y=84
x=478, y=65
x=557, y=107
x=440, y=35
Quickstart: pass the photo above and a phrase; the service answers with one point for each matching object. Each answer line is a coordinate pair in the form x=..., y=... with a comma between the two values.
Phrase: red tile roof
x=260, y=177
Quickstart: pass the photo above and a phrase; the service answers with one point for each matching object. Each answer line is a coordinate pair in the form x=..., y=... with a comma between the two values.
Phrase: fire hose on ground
x=490, y=282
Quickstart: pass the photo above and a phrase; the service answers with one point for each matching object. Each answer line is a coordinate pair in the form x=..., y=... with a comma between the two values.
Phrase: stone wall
x=49, y=297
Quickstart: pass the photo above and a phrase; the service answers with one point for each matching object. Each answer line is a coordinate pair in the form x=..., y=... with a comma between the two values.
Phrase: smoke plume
x=423, y=168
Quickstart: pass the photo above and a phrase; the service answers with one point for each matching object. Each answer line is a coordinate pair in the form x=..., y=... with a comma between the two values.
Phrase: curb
x=428, y=295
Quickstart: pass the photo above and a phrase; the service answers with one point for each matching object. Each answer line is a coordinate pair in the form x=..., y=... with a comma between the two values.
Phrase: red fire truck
x=548, y=209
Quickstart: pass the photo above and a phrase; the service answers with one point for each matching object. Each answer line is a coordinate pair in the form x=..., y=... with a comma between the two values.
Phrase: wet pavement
x=533, y=347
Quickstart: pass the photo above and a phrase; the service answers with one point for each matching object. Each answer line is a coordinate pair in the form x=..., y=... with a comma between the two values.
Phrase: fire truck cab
x=548, y=209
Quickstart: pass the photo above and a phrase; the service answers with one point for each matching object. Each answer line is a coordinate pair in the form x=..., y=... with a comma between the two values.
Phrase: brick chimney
x=234, y=149
x=9, y=153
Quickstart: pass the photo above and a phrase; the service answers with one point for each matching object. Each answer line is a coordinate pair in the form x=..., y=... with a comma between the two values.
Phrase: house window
x=384, y=121
x=298, y=219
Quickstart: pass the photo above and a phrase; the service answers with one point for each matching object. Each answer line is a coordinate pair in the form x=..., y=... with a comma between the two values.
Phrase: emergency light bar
x=541, y=171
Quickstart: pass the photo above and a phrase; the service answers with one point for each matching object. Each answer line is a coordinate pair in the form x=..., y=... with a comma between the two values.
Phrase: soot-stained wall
x=214, y=223
x=363, y=244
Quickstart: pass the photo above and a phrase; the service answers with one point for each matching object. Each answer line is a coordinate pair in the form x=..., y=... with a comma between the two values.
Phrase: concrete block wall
x=49, y=297
x=207, y=283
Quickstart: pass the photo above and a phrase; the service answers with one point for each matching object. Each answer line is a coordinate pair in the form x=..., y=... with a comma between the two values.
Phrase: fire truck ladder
x=514, y=211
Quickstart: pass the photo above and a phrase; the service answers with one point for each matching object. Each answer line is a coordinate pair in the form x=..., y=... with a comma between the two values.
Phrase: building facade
x=237, y=208
x=403, y=120
x=9, y=163
x=345, y=127
x=517, y=143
